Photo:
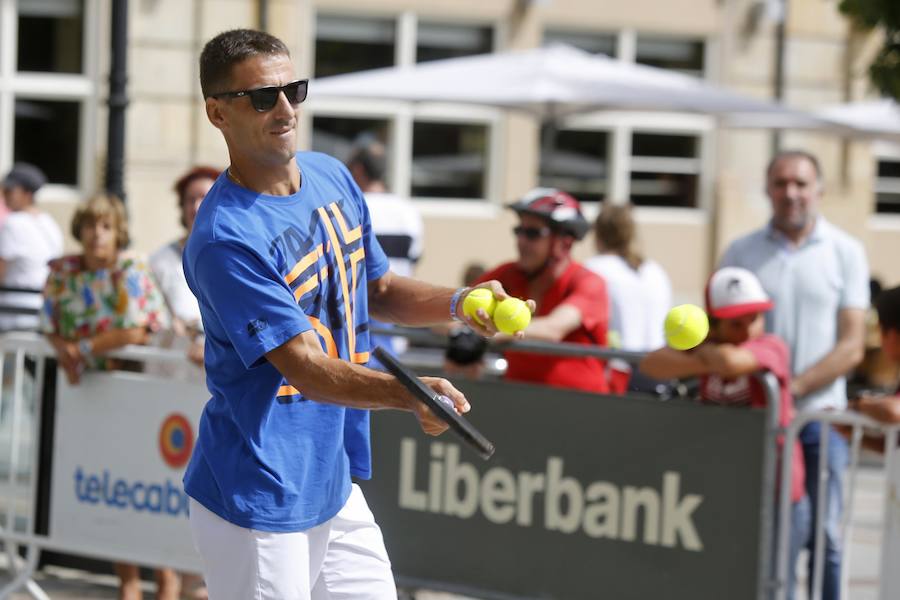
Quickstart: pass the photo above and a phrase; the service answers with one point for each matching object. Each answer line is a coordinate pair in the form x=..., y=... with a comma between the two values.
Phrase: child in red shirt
x=739, y=347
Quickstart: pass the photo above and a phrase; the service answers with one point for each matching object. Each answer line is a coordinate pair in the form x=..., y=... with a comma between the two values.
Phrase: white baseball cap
x=734, y=292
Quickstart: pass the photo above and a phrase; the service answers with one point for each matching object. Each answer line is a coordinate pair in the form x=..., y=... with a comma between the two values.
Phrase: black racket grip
x=459, y=424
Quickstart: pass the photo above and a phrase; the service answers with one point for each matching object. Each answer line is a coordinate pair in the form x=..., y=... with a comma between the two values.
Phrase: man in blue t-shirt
x=286, y=270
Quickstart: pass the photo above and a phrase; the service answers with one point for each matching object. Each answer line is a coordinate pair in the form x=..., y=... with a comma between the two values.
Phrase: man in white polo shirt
x=818, y=277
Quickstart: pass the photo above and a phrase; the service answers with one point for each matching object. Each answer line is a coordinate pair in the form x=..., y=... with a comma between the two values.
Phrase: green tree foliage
x=884, y=14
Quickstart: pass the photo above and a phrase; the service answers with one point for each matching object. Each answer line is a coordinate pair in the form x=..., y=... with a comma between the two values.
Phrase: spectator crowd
x=792, y=297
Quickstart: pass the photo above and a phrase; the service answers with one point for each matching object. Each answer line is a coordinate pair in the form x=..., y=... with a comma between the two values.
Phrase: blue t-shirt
x=265, y=269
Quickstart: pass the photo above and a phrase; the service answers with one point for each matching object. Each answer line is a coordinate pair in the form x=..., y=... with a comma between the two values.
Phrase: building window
x=665, y=169
x=337, y=135
x=449, y=160
x=50, y=36
x=46, y=85
x=348, y=44
x=590, y=156
x=436, y=151
x=682, y=55
x=46, y=133
x=887, y=187
x=575, y=161
x=436, y=41
x=594, y=43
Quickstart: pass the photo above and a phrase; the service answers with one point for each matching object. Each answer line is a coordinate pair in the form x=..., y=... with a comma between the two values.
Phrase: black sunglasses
x=264, y=99
x=531, y=233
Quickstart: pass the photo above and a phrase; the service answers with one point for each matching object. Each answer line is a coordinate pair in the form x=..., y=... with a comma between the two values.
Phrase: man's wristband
x=454, y=301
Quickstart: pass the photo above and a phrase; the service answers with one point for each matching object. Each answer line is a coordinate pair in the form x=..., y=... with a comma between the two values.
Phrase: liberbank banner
x=586, y=497
x=122, y=441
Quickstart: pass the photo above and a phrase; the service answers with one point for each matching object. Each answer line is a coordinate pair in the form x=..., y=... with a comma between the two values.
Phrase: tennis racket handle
x=484, y=447
x=446, y=401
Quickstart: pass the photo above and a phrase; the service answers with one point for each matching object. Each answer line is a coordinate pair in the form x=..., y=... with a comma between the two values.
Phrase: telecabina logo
x=140, y=492
x=176, y=440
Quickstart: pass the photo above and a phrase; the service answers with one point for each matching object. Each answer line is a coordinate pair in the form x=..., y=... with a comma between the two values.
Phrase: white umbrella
x=874, y=118
x=550, y=82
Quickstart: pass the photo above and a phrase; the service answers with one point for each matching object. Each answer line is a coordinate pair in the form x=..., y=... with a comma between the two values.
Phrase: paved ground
x=68, y=584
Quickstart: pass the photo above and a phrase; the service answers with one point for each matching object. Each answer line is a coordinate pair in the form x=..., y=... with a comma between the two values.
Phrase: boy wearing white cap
x=737, y=347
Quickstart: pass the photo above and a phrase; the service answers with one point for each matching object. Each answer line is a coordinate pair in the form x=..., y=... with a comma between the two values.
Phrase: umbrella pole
x=549, y=131
x=779, y=67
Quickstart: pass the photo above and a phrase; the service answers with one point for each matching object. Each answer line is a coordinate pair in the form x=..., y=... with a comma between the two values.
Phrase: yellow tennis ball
x=512, y=315
x=479, y=298
x=686, y=327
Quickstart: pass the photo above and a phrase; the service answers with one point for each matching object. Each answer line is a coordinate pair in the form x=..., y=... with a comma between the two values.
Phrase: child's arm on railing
x=667, y=363
x=885, y=409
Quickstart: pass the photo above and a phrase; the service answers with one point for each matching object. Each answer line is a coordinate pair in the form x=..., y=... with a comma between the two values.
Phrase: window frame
x=361, y=16
x=68, y=87
x=402, y=115
x=884, y=151
x=621, y=125
x=579, y=128
x=437, y=21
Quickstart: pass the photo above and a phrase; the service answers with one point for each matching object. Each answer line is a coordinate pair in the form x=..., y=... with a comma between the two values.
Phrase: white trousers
x=342, y=558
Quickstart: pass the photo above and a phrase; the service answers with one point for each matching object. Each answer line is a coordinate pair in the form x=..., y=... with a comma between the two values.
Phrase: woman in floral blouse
x=101, y=299
x=95, y=302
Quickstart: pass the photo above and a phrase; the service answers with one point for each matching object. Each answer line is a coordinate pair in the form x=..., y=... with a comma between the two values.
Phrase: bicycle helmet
x=559, y=209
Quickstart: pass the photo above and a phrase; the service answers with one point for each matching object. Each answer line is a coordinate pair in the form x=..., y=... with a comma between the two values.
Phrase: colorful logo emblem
x=176, y=440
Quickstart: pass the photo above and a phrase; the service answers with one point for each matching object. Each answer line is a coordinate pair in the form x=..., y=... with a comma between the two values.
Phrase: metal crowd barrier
x=890, y=589
x=429, y=339
x=683, y=493
x=529, y=422
x=25, y=490
x=409, y=567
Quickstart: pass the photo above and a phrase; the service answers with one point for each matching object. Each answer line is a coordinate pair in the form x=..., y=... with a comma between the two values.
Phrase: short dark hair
x=888, y=306
x=371, y=157
x=229, y=48
x=783, y=154
x=25, y=175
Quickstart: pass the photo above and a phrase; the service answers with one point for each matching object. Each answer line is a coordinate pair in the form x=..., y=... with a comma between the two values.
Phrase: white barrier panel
x=122, y=441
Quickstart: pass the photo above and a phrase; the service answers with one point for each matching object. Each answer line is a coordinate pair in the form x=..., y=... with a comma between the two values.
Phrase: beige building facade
x=696, y=186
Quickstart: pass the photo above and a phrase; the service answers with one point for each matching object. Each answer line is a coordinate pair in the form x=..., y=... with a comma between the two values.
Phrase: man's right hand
x=431, y=423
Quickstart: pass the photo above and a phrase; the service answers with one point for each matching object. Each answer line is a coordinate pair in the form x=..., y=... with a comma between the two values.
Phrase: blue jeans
x=801, y=526
x=837, y=459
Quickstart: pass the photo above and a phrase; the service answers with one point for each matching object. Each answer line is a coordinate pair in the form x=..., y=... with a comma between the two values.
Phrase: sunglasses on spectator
x=531, y=233
x=264, y=99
